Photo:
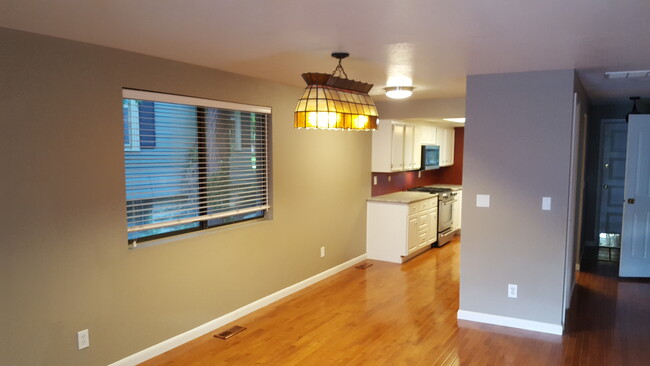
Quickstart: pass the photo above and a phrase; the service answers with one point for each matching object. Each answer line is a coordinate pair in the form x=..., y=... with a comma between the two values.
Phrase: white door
x=413, y=233
x=397, y=151
x=612, y=176
x=635, y=246
x=433, y=225
x=449, y=146
x=409, y=146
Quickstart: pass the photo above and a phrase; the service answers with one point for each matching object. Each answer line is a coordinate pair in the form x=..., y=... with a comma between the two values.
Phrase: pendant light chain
x=339, y=68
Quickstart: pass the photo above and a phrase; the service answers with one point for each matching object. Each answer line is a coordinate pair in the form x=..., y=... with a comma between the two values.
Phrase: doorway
x=611, y=174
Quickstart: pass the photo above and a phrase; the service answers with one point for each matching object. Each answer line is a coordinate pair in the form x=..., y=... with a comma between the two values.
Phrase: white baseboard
x=510, y=322
x=210, y=326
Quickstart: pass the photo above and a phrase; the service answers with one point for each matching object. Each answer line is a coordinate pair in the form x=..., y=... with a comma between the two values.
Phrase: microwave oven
x=430, y=157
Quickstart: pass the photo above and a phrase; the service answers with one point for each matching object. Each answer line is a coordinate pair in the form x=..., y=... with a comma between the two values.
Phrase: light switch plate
x=546, y=203
x=482, y=200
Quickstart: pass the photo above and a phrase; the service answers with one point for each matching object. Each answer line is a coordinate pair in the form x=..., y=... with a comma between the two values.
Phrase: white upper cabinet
x=411, y=159
x=397, y=147
x=394, y=147
x=428, y=135
x=445, y=138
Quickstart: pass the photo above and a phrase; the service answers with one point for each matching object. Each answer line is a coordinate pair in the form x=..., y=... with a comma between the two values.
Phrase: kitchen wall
x=399, y=181
x=64, y=261
x=517, y=150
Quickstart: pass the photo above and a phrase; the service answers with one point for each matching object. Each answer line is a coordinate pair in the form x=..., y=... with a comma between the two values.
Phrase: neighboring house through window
x=192, y=164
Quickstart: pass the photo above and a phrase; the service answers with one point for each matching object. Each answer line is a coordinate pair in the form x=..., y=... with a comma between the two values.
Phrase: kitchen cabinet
x=432, y=217
x=394, y=147
x=445, y=138
x=398, y=229
x=428, y=135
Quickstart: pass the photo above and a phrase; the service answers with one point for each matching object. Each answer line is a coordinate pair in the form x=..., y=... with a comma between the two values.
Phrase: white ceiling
x=437, y=42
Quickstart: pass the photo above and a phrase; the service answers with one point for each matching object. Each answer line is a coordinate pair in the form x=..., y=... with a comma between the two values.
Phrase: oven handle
x=448, y=202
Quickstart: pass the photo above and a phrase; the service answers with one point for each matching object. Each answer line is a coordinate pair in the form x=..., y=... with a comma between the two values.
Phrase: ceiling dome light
x=399, y=92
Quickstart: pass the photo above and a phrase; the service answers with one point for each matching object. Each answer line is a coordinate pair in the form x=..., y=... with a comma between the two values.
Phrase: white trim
x=510, y=322
x=210, y=326
x=179, y=99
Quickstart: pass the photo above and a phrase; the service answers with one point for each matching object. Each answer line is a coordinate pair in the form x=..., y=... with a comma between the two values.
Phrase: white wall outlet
x=83, y=339
x=419, y=174
x=546, y=203
x=389, y=178
x=322, y=252
x=512, y=291
x=374, y=180
x=482, y=200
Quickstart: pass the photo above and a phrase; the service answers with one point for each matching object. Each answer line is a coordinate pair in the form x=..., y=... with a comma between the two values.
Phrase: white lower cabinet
x=397, y=231
x=433, y=224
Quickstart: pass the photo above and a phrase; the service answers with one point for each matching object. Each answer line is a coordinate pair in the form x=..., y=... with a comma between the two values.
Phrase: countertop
x=402, y=197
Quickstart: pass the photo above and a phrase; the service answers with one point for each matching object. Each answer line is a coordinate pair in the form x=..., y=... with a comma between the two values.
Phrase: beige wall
x=64, y=262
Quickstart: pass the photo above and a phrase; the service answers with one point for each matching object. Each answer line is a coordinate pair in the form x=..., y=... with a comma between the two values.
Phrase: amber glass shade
x=326, y=107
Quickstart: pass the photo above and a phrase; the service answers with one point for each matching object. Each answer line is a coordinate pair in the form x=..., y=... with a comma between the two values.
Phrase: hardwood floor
x=392, y=314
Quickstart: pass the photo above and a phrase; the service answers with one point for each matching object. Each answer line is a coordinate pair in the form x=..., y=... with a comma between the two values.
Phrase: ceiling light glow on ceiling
x=627, y=74
x=455, y=120
x=399, y=92
x=334, y=102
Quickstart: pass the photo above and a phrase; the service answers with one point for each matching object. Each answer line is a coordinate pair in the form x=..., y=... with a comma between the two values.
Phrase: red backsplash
x=405, y=180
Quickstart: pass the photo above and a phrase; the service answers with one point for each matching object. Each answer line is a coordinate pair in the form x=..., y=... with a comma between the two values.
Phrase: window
x=191, y=163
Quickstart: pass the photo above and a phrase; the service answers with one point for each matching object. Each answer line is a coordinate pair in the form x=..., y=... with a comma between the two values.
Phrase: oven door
x=445, y=215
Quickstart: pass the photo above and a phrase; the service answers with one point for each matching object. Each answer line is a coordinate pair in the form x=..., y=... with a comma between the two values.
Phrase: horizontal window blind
x=192, y=163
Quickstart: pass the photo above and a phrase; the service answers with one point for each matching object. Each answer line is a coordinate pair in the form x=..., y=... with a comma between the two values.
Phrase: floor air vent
x=230, y=332
x=363, y=265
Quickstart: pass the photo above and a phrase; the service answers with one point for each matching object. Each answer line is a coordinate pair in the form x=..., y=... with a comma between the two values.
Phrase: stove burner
x=431, y=189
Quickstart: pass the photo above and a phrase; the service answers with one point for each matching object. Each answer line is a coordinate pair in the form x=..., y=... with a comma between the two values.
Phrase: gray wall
x=517, y=150
x=64, y=262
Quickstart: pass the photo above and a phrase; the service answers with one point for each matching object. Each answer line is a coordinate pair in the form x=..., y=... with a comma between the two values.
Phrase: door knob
x=606, y=165
x=605, y=186
x=631, y=201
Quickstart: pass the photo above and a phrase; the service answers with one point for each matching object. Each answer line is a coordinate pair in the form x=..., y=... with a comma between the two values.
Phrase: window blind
x=192, y=163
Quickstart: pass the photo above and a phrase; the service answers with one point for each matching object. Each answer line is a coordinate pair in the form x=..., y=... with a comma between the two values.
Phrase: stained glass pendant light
x=334, y=102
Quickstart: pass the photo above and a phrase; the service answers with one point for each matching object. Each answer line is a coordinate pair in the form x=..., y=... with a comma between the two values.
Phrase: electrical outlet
x=374, y=180
x=512, y=290
x=83, y=339
x=322, y=252
x=419, y=174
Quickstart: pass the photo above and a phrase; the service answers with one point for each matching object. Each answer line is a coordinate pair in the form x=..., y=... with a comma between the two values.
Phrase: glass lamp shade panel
x=325, y=107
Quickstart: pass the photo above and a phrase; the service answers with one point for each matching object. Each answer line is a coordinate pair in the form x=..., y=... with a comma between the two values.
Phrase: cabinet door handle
x=631, y=201
x=605, y=186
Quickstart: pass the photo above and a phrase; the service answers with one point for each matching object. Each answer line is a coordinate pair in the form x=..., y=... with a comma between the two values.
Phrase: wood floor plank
x=391, y=314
